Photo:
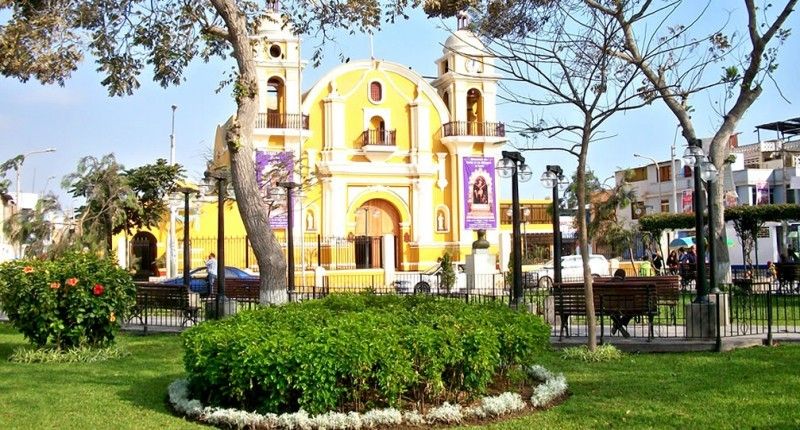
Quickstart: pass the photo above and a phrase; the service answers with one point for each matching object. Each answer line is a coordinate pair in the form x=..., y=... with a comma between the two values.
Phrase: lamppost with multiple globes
x=513, y=166
x=704, y=171
x=552, y=178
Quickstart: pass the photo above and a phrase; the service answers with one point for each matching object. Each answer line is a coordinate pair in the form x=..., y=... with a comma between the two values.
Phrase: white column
x=388, y=258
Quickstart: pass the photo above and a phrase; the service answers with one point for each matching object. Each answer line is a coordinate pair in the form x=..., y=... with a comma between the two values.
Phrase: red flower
x=98, y=289
x=55, y=285
x=72, y=282
x=27, y=269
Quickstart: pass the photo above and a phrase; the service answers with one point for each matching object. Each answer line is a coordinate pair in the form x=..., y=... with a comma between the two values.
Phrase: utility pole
x=171, y=240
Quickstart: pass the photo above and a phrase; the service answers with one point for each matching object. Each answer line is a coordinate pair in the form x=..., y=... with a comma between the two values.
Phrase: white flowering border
x=552, y=387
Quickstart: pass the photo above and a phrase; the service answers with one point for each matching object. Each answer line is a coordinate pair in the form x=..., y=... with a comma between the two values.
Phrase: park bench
x=788, y=276
x=150, y=296
x=619, y=300
x=668, y=290
x=242, y=290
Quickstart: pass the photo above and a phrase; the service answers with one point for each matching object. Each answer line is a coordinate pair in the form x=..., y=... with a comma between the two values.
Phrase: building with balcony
x=381, y=150
x=764, y=172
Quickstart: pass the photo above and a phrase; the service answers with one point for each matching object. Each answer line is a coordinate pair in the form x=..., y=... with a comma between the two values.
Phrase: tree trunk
x=239, y=139
x=583, y=238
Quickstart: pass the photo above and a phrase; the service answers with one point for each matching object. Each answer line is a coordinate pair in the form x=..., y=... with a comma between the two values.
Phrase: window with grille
x=376, y=92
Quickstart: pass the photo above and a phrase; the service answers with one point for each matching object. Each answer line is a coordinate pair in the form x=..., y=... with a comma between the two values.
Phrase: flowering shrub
x=69, y=302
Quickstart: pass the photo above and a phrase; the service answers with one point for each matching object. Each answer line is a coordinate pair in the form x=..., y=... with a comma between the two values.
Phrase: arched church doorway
x=144, y=249
x=374, y=219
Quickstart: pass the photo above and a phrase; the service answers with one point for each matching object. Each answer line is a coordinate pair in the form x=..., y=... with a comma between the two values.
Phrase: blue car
x=198, y=278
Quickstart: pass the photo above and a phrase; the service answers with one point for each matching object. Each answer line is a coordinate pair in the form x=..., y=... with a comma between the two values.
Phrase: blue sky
x=80, y=119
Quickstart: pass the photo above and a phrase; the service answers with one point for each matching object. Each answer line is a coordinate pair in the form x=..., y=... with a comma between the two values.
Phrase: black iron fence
x=751, y=306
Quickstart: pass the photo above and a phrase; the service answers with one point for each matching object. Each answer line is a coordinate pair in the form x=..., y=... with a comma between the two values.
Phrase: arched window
x=375, y=92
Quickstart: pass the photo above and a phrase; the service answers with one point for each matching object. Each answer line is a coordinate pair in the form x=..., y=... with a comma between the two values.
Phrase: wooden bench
x=242, y=290
x=619, y=300
x=151, y=296
x=788, y=276
x=668, y=289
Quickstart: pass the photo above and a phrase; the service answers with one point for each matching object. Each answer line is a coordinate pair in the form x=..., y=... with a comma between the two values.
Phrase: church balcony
x=473, y=128
x=378, y=145
x=276, y=120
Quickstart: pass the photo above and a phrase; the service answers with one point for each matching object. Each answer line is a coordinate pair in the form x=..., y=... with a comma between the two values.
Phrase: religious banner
x=479, y=193
x=686, y=201
x=731, y=199
x=762, y=193
x=273, y=167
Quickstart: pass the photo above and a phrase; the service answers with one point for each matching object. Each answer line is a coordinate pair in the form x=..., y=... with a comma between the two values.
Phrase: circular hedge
x=352, y=352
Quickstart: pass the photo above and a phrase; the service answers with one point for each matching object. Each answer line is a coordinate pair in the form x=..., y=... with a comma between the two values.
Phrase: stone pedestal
x=702, y=319
x=480, y=269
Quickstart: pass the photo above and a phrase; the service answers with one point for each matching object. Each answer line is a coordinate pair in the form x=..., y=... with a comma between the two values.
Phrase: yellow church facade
x=395, y=169
x=381, y=151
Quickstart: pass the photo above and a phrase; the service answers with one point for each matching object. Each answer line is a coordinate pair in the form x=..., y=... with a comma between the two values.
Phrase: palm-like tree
x=33, y=229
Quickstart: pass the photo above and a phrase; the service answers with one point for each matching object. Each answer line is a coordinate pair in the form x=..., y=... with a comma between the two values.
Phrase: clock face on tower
x=472, y=65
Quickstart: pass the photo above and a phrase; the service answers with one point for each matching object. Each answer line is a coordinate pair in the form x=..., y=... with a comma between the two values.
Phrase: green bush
x=73, y=301
x=357, y=352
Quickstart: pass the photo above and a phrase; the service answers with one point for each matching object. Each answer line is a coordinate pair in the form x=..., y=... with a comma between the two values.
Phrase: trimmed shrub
x=74, y=301
x=357, y=352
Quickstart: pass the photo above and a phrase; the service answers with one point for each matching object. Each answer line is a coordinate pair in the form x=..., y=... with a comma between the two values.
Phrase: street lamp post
x=220, y=176
x=172, y=252
x=704, y=170
x=513, y=165
x=709, y=176
x=551, y=178
x=289, y=186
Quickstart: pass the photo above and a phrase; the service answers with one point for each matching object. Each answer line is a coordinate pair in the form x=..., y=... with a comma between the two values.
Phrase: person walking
x=211, y=268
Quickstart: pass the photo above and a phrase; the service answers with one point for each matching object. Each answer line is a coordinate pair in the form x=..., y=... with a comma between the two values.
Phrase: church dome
x=464, y=42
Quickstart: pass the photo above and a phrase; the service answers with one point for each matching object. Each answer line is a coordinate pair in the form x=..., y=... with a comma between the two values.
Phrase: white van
x=572, y=269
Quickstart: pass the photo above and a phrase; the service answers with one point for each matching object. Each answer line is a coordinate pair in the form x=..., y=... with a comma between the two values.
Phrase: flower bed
x=552, y=387
x=358, y=352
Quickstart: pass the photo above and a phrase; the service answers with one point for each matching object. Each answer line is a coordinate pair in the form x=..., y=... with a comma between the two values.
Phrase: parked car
x=428, y=281
x=198, y=278
x=572, y=269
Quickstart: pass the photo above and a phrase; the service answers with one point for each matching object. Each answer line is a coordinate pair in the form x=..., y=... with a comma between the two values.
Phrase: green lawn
x=758, y=387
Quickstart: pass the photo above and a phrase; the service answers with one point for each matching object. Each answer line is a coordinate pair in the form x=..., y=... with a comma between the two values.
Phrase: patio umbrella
x=682, y=242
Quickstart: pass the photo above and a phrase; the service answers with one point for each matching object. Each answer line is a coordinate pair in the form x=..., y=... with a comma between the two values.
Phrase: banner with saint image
x=273, y=167
x=479, y=193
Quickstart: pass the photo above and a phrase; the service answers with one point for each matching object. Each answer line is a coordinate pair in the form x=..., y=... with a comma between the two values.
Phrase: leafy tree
x=447, y=277
x=592, y=187
x=119, y=200
x=561, y=55
x=33, y=229
x=47, y=41
x=12, y=163
x=674, y=70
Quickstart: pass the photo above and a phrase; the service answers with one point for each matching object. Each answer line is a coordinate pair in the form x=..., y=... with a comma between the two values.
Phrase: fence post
x=319, y=250
x=719, y=326
x=247, y=252
x=146, y=309
x=769, y=315
x=602, y=322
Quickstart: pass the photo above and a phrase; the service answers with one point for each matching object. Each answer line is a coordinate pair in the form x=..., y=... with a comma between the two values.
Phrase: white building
x=764, y=172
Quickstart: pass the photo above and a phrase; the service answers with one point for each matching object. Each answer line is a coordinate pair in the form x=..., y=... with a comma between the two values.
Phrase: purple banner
x=762, y=193
x=271, y=168
x=479, y=193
